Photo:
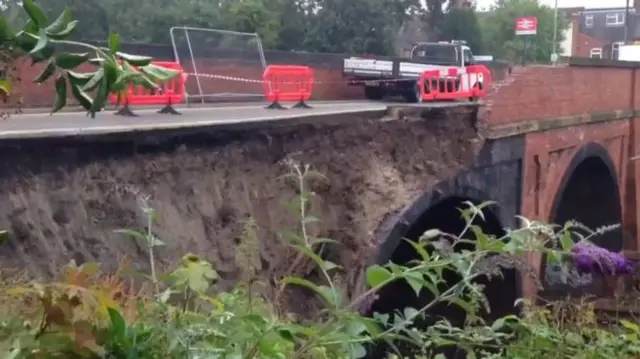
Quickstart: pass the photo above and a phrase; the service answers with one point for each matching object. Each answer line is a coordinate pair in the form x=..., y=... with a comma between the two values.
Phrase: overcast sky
x=570, y=3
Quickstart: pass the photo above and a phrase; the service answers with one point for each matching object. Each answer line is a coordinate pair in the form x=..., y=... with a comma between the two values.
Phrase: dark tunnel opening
x=445, y=215
x=590, y=196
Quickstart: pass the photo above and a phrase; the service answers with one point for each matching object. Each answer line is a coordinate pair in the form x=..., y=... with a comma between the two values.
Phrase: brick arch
x=548, y=155
x=589, y=192
x=591, y=151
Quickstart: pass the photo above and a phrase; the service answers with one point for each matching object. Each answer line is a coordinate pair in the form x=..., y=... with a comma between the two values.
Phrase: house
x=598, y=33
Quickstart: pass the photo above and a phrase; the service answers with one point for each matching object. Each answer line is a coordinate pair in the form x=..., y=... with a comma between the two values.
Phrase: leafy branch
x=114, y=71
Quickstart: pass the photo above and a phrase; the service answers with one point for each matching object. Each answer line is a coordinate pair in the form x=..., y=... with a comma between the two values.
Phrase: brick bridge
x=550, y=144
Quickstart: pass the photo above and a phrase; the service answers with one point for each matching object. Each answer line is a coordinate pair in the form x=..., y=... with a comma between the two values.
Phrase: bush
x=182, y=314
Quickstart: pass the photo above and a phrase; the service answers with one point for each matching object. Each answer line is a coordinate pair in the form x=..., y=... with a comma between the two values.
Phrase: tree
x=354, y=26
x=294, y=27
x=434, y=17
x=462, y=24
x=499, y=35
x=357, y=26
x=254, y=16
x=98, y=27
x=114, y=70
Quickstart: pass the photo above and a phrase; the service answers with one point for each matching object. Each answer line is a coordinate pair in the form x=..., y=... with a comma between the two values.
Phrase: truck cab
x=450, y=54
x=443, y=53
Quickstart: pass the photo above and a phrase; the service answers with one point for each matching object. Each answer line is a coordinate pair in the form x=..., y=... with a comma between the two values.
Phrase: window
x=466, y=57
x=588, y=20
x=595, y=53
x=615, y=19
x=615, y=50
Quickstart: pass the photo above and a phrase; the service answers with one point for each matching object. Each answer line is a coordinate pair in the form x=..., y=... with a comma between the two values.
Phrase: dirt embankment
x=61, y=202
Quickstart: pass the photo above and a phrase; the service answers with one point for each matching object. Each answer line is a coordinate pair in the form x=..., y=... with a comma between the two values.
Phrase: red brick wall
x=582, y=44
x=545, y=92
x=547, y=155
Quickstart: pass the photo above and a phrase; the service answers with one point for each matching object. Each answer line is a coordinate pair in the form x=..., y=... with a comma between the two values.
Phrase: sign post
x=526, y=26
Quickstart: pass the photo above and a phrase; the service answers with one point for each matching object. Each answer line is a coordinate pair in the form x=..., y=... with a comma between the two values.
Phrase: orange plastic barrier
x=172, y=92
x=288, y=83
x=473, y=84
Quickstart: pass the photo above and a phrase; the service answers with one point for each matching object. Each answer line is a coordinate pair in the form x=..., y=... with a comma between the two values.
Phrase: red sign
x=526, y=25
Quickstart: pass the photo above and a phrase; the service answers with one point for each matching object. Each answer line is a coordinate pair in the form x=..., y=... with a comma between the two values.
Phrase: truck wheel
x=412, y=94
x=373, y=93
x=417, y=93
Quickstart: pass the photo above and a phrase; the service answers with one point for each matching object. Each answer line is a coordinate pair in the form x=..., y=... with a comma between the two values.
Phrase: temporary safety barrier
x=192, y=44
x=288, y=83
x=437, y=85
x=170, y=92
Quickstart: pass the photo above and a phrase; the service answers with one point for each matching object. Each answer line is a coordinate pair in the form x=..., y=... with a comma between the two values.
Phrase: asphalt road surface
x=77, y=123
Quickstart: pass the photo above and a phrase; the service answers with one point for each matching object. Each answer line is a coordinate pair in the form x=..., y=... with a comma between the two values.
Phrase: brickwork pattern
x=544, y=92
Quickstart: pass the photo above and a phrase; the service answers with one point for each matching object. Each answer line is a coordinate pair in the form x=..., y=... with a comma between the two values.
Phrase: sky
x=570, y=3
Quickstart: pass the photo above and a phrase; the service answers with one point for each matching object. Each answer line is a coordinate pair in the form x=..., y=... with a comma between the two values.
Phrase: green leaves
x=5, y=31
x=134, y=59
x=326, y=265
x=36, y=14
x=101, y=97
x=194, y=274
x=38, y=40
x=114, y=43
x=46, y=73
x=59, y=29
x=146, y=239
x=116, y=70
x=5, y=86
x=158, y=73
x=94, y=80
x=4, y=235
x=566, y=241
x=118, y=325
x=61, y=94
x=41, y=42
x=64, y=33
x=329, y=295
x=69, y=61
x=83, y=98
x=377, y=276
x=62, y=26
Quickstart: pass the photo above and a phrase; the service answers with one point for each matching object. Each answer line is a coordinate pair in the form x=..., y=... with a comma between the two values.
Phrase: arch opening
x=445, y=215
x=588, y=194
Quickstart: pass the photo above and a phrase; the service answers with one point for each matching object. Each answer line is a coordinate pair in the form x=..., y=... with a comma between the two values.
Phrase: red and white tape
x=246, y=80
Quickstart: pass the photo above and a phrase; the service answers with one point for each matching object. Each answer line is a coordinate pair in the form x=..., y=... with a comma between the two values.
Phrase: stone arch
x=437, y=209
x=589, y=193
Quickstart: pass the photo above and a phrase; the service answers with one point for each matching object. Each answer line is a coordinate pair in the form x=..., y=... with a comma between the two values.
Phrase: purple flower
x=589, y=258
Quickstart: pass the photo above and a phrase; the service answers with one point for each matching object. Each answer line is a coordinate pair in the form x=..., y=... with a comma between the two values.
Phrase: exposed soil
x=62, y=202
